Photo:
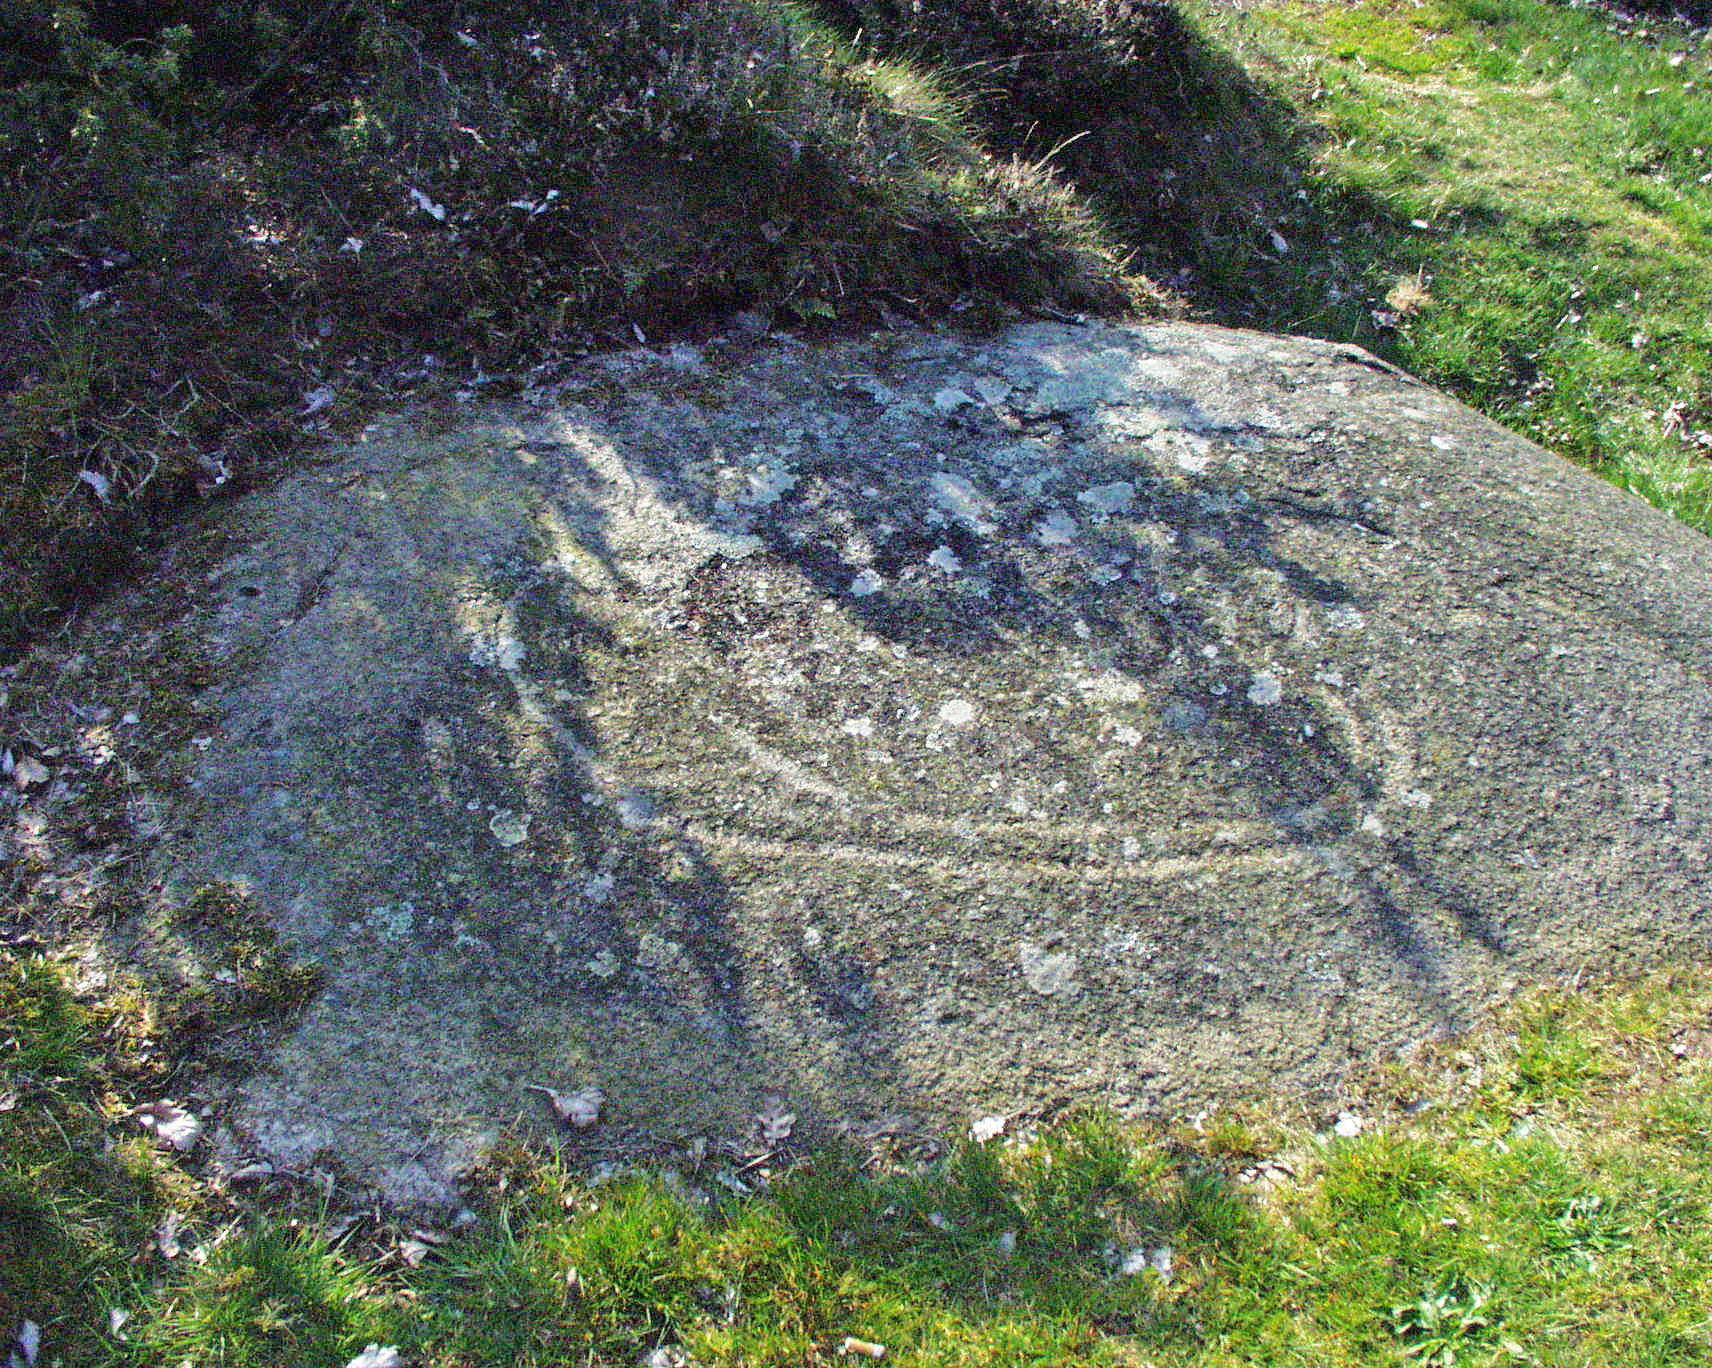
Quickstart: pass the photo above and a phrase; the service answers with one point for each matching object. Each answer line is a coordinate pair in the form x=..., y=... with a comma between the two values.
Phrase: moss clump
x=251, y=974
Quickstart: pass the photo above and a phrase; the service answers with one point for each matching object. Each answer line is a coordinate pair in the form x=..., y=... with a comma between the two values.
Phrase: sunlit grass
x=1543, y=171
x=1537, y=1192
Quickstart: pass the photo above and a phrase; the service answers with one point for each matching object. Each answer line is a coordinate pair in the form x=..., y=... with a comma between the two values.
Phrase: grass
x=1508, y=197
x=1536, y=1193
x=1534, y=219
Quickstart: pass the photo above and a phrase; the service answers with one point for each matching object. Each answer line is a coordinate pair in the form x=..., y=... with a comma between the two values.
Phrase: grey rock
x=1345, y=709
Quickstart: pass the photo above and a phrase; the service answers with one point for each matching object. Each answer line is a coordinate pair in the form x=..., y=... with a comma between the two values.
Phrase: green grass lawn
x=1539, y=1193
x=1513, y=199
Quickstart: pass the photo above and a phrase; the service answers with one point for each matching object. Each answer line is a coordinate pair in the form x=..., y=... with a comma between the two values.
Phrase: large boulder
x=1138, y=714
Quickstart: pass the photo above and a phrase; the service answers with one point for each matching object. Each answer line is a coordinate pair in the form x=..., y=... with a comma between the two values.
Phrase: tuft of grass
x=74, y=1207
x=271, y=1295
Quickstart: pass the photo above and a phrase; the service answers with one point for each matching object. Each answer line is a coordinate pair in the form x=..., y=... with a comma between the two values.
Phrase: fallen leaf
x=578, y=1109
x=30, y=1341
x=866, y=1348
x=1348, y=1125
x=27, y=771
x=166, y=1120
x=116, y=1319
x=1143, y=1258
x=321, y=397
x=988, y=1128
x=774, y=1120
x=937, y=1220
x=426, y=204
x=1006, y=1243
x=376, y=1357
x=1279, y=245
x=166, y=1238
x=102, y=486
x=413, y=1252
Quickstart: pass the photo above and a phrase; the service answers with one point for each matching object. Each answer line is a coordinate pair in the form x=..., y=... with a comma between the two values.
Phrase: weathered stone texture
x=1140, y=714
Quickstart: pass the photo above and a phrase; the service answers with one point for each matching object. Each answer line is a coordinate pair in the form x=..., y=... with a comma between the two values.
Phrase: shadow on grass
x=1200, y=168
x=1064, y=1253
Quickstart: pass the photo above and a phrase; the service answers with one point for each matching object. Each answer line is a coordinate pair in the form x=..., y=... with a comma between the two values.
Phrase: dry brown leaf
x=579, y=1109
x=866, y=1348
x=168, y=1122
x=1409, y=295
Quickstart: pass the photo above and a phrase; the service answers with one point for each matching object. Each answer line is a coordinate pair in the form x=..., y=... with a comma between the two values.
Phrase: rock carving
x=1140, y=714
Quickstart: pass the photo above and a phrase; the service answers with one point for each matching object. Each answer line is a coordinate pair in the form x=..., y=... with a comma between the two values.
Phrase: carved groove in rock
x=1144, y=715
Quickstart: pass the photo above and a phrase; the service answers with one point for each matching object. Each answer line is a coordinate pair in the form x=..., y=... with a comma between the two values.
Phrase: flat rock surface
x=1142, y=715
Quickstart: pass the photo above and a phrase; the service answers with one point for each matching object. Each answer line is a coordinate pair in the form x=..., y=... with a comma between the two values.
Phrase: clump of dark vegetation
x=217, y=221
x=1183, y=155
x=251, y=972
